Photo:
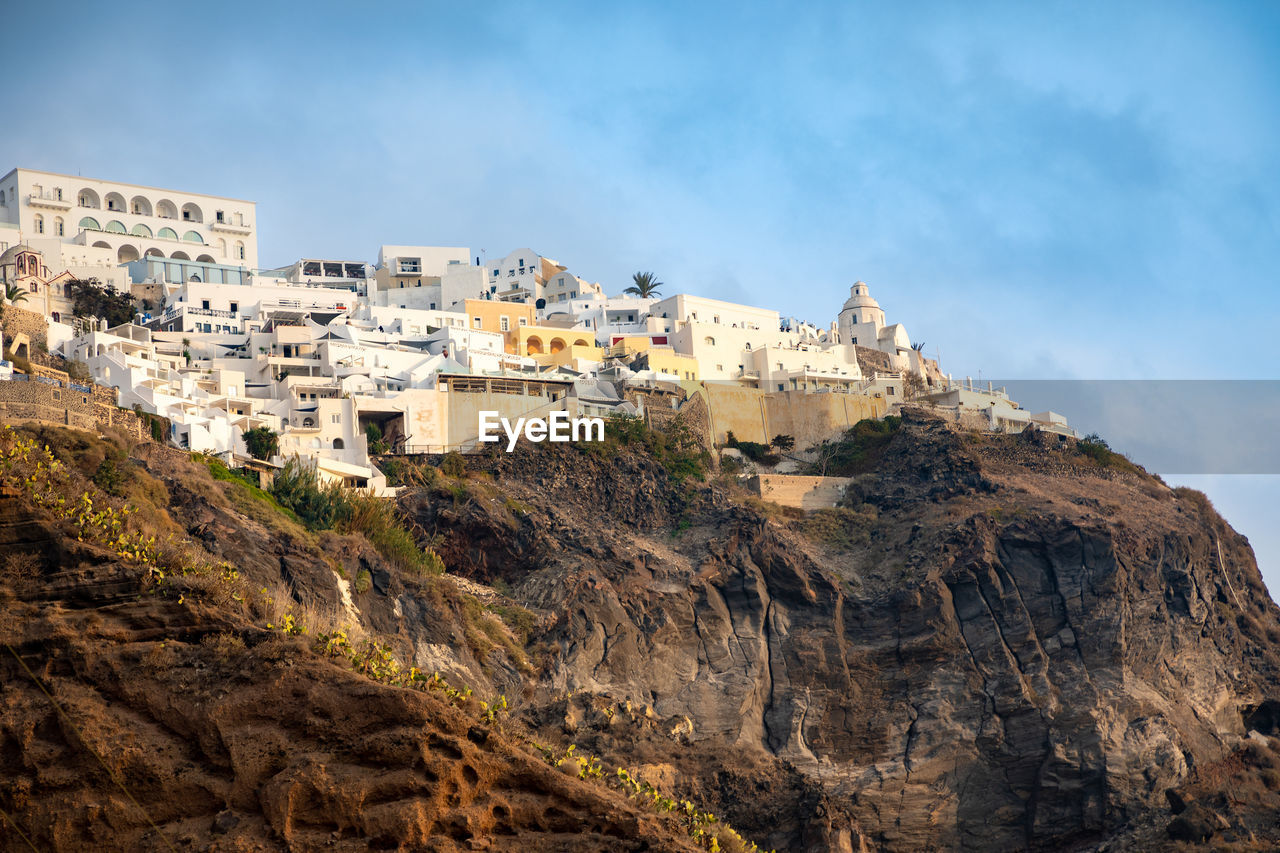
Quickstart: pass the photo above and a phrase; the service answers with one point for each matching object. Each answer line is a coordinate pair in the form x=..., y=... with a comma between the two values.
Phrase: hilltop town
x=939, y=622
x=124, y=299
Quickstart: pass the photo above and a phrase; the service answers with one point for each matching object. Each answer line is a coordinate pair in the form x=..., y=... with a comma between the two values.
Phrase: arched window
x=39, y=223
x=90, y=224
x=167, y=234
x=87, y=198
x=140, y=230
x=338, y=444
x=115, y=201
x=140, y=206
x=239, y=250
x=191, y=213
x=115, y=226
x=709, y=341
x=166, y=209
x=192, y=237
x=59, y=227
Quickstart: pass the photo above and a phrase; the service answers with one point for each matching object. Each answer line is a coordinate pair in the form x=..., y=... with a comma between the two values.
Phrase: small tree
x=645, y=285
x=377, y=444
x=263, y=443
x=453, y=465
x=913, y=386
x=783, y=443
x=15, y=294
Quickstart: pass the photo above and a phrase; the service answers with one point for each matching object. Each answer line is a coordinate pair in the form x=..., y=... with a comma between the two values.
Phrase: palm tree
x=646, y=285
x=15, y=294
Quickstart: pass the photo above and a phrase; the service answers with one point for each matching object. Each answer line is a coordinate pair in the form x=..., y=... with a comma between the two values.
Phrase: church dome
x=860, y=297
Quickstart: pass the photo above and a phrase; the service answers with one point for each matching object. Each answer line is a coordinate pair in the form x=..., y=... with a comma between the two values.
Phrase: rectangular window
x=235, y=306
x=477, y=323
x=524, y=321
x=205, y=304
x=504, y=323
x=219, y=216
x=337, y=419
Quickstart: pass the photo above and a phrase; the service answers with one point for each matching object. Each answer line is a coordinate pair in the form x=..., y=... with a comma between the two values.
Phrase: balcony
x=48, y=200
x=229, y=227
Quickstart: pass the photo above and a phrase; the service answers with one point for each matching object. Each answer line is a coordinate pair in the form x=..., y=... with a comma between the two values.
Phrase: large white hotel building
x=126, y=222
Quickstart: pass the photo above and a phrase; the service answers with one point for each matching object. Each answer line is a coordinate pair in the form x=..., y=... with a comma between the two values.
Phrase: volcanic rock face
x=1020, y=650
x=1029, y=652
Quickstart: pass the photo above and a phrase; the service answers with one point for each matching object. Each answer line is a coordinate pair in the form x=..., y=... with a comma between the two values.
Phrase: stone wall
x=19, y=320
x=800, y=491
x=754, y=415
x=62, y=403
x=873, y=361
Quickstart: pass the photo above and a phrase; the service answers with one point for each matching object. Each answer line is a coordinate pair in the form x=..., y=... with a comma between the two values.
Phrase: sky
x=1037, y=191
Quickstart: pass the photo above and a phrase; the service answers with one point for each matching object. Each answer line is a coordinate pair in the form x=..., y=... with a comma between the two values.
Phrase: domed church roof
x=860, y=297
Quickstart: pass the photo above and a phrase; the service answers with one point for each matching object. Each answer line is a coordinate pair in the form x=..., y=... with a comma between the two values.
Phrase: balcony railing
x=48, y=199
x=229, y=227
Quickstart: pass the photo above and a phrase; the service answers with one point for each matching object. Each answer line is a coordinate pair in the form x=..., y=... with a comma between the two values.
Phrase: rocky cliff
x=1000, y=644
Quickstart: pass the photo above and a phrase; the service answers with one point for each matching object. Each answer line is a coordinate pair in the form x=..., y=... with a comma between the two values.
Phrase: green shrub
x=857, y=451
x=297, y=487
x=262, y=442
x=1096, y=448
x=364, y=582
x=78, y=371
x=841, y=527
x=331, y=507
x=400, y=471
x=377, y=445
x=753, y=450
x=675, y=447
x=109, y=477
x=453, y=465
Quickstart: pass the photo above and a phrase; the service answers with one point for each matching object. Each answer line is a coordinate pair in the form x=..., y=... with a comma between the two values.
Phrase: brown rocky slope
x=1001, y=645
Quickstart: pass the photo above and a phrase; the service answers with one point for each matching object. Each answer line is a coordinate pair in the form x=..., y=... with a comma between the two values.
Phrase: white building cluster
x=344, y=358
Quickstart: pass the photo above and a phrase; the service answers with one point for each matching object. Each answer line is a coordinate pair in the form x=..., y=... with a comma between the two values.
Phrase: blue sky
x=1077, y=191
